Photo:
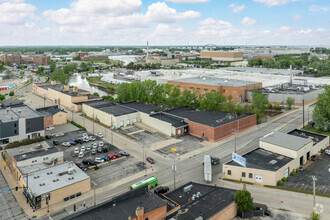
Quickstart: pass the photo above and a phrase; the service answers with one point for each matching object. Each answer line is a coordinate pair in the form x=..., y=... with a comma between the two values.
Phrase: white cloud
x=236, y=8
x=297, y=17
x=317, y=8
x=16, y=12
x=271, y=3
x=215, y=24
x=246, y=22
x=285, y=29
x=307, y=31
x=321, y=30
x=188, y=1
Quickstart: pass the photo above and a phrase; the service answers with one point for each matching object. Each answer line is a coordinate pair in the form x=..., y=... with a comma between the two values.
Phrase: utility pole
x=314, y=179
x=93, y=121
x=27, y=191
x=94, y=192
x=303, y=112
x=174, y=165
x=234, y=131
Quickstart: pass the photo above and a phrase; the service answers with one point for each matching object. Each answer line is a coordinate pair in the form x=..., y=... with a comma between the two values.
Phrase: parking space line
x=296, y=185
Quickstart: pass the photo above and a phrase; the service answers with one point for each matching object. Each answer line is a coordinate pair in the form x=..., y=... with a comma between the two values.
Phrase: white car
x=50, y=128
x=83, y=148
x=85, y=135
x=94, y=145
x=76, y=150
x=66, y=144
x=59, y=135
x=327, y=152
x=98, y=160
x=85, y=139
x=101, y=144
x=89, y=147
x=81, y=154
x=100, y=135
x=92, y=138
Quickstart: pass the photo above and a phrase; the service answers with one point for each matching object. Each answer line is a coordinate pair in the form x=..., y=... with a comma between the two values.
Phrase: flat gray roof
x=215, y=81
x=48, y=180
x=13, y=113
x=32, y=168
x=6, y=115
x=286, y=140
x=27, y=149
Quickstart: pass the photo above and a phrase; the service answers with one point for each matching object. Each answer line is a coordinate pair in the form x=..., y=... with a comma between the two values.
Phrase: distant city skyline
x=164, y=22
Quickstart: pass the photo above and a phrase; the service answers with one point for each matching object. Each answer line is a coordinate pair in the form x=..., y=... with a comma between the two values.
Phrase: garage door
x=122, y=123
x=134, y=120
x=128, y=122
x=286, y=172
x=258, y=178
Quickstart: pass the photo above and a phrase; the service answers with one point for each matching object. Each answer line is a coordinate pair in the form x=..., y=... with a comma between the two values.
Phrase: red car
x=117, y=155
x=112, y=156
x=150, y=160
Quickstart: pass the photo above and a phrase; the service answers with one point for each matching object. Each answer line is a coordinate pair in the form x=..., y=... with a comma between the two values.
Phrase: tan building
x=162, y=60
x=80, y=54
x=56, y=184
x=12, y=58
x=221, y=55
x=262, y=167
x=64, y=95
x=53, y=115
x=41, y=60
x=91, y=58
x=227, y=87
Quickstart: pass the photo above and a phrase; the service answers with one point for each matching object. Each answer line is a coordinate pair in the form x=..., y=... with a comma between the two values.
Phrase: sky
x=164, y=22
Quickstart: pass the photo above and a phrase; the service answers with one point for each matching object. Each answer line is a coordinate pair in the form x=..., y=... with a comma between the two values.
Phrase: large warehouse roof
x=286, y=140
x=214, y=81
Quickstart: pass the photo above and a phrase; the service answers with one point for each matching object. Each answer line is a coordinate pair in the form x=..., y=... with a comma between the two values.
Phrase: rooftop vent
x=42, y=184
x=49, y=173
x=193, y=198
x=55, y=180
x=71, y=170
x=70, y=178
x=273, y=162
x=187, y=188
x=23, y=156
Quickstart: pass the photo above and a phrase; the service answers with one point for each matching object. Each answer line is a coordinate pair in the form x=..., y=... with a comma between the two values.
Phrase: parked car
x=123, y=153
x=101, y=144
x=92, y=138
x=100, y=135
x=48, y=136
x=112, y=156
x=105, y=149
x=66, y=144
x=73, y=143
x=83, y=148
x=301, y=168
x=327, y=152
x=55, y=142
x=99, y=149
x=59, y=134
x=83, y=167
x=50, y=128
x=94, y=145
x=76, y=150
x=81, y=154
x=89, y=147
x=88, y=162
x=98, y=160
x=150, y=160
x=85, y=135
x=85, y=139
x=161, y=190
x=94, y=151
x=215, y=160
x=105, y=158
x=79, y=141
x=117, y=155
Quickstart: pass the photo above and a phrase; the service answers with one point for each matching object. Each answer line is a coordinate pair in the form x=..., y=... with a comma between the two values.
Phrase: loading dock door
x=258, y=178
x=308, y=155
x=286, y=172
x=302, y=160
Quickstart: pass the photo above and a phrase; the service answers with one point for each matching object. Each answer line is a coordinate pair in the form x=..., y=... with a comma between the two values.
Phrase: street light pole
x=234, y=131
x=303, y=113
x=174, y=171
x=314, y=179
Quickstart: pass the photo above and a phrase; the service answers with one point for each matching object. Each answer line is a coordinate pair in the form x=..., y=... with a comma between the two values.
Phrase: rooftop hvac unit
x=193, y=197
x=71, y=170
x=187, y=188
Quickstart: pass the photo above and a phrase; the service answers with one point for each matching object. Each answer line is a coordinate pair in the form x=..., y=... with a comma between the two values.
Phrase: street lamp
x=234, y=131
x=314, y=179
x=174, y=165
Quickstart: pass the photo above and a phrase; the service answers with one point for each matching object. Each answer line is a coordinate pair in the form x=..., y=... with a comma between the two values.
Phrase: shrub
x=277, y=107
x=284, y=179
x=24, y=142
x=293, y=172
x=315, y=216
x=78, y=125
x=297, y=170
x=244, y=200
x=269, y=106
x=322, y=150
x=280, y=183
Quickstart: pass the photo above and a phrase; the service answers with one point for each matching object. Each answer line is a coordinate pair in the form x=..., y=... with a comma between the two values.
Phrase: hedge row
x=24, y=142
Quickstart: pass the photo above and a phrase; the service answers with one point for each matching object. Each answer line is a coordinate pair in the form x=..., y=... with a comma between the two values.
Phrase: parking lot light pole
x=314, y=179
x=234, y=131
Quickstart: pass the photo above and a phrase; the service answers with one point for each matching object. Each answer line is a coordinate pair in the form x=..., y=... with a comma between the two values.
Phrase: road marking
x=278, y=128
x=296, y=185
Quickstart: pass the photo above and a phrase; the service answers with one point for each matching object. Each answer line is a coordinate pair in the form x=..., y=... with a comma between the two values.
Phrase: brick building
x=80, y=54
x=12, y=58
x=227, y=87
x=222, y=55
x=53, y=115
x=41, y=60
x=139, y=204
x=91, y=58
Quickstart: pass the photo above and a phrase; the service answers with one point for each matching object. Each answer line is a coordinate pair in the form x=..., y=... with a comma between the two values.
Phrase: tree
x=289, y=102
x=21, y=73
x=59, y=75
x=259, y=103
x=2, y=97
x=11, y=93
x=52, y=66
x=8, y=63
x=212, y=101
x=244, y=200
x=96, y=94
x=321, y=113
x=40, y=70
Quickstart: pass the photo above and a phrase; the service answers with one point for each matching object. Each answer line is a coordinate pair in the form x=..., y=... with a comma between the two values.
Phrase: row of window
x=48, y=118
x=35, y=161
x=206, y=90
x=243, y=174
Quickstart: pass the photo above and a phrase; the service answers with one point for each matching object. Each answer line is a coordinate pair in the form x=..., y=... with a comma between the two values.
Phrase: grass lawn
x=316, y=131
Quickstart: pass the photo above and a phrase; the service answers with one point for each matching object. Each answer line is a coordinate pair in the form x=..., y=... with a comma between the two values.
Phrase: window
x=229, y=172
x=198, y=88
x=46, y=118
x=191, y=87
x=15, y=125
x=224, y=90
x=59, y=115
x=179, y=131
x=243, y=174
x=206, y=90
x=213, y=90
x=15, y=131
x=45, y=158
x=178, y=86
x=250, y=175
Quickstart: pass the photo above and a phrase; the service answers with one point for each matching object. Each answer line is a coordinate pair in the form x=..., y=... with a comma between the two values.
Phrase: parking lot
x=187, y=144
x=62, y=129
x=320, y=169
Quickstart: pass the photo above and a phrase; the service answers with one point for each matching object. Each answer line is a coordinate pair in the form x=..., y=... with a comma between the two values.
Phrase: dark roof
x=13, y=102
x=173, y=120
x=209, y=118
x=316, y=138
x=37, y=153
x=48, y=111
x=142, y=107
x=264, y=160
x=211, y=201
x=121, y=207
x=99, y=104
x=117, y=110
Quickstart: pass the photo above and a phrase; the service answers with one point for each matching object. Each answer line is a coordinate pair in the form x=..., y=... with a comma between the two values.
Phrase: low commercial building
x=55, y=184
x=20, y=122
x=134, y=205
x=93, y=58
x=32, y=154
x=7, y=86
x=199, y=201
x=227, y=87
x=41, y=60
x=12, y=103
x=262, y=167
x=53, y=116
x=301, y=93
x=64, y=95
x=221, y=55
